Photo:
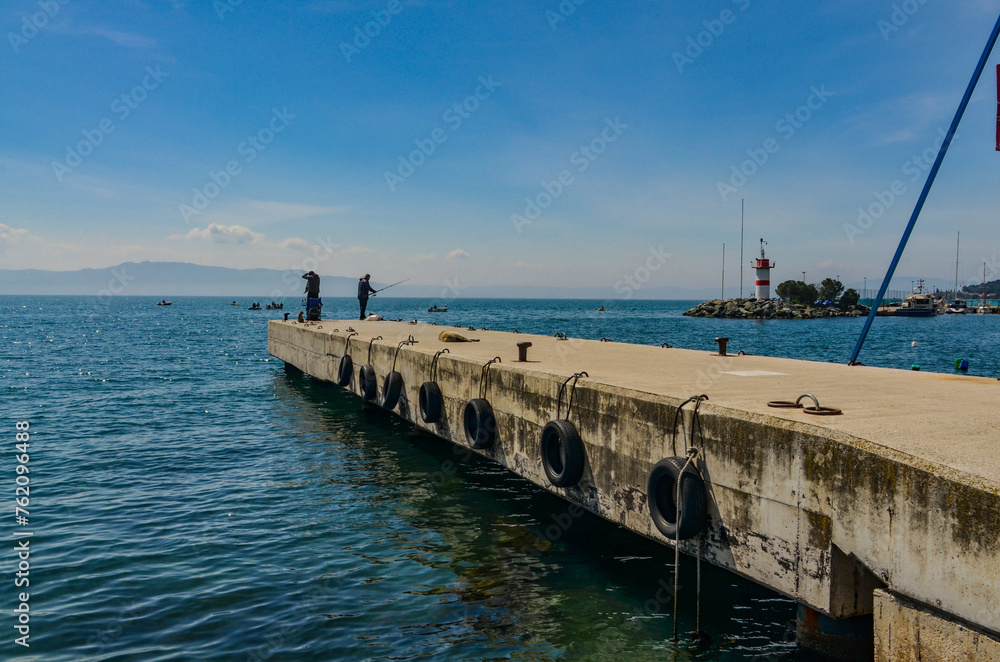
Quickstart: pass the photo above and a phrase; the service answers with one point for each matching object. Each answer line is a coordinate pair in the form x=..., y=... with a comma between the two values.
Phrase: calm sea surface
x=189, y=500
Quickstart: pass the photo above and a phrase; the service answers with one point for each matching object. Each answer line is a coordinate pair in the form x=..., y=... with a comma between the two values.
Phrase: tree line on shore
x=830, y=289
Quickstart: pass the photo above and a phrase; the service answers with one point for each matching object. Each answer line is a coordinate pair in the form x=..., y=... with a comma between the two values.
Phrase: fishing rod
x=394, y=284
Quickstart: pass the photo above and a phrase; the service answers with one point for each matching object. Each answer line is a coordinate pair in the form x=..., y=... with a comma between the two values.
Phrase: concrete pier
x=898, y=493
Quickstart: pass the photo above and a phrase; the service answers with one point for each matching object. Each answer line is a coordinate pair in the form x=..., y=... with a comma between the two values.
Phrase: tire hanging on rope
x=345, y=371
x=562, y=453
x=562, y=450
x=431, y=400
x=392, y=387
x=662, y=496
x=479, y=421
x=366, y=382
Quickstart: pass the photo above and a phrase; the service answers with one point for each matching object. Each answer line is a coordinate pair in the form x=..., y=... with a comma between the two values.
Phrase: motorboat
x=918, y=304
x=165, y=303
x=275, y=306
x=255, y=306
x=435, y=309
x=957, y=307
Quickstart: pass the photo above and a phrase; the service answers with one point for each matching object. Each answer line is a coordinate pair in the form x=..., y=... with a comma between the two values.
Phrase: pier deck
x=898, y=493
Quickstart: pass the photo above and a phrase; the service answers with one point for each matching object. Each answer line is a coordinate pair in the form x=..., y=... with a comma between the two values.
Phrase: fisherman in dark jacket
x=364, y=288
x=313, y=303
x=312, y=284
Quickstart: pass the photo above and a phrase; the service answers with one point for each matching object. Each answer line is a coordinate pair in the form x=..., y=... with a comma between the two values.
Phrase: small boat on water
x=234, y=304
x=165, y=303
x=957, y=307
x=435, y=309
x=255, y=306
x=275, y=306
x=918, y=304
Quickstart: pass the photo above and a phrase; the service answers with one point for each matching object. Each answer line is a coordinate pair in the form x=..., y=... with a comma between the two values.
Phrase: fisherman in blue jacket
x=364, y=288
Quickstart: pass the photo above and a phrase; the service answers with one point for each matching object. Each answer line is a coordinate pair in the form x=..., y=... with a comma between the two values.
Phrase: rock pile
x=765, y=309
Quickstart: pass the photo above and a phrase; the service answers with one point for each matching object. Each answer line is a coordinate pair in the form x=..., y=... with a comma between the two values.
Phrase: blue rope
x=927, y=188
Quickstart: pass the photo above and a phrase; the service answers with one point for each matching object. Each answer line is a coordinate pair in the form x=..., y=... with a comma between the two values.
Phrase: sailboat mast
x=741, y=248
x=956, y=263
x=723, y=296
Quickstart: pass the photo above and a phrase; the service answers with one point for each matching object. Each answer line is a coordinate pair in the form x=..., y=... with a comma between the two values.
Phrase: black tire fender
x=480, y=423
x=391, y=388
x=345, y=371
x=661, y=495
x=431, y=402
x=366, y=382
x=563, y=454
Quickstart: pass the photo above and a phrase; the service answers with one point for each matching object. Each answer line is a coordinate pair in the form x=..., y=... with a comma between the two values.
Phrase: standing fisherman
x=313, y=302
x=364, y=288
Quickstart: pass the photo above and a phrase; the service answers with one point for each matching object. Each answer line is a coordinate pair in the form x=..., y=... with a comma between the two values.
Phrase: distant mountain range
x=166, y=279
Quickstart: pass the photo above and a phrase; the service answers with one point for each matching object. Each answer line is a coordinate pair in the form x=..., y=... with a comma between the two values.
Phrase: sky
x=572, y=143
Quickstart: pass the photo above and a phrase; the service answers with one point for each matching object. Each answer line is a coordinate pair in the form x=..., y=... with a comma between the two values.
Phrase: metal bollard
x=522, y=351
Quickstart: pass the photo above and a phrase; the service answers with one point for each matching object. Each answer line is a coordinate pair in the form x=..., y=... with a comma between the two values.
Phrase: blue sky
x=495, y=143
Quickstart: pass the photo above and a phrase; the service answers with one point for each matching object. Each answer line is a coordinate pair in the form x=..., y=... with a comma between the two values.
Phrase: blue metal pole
x=927, y=188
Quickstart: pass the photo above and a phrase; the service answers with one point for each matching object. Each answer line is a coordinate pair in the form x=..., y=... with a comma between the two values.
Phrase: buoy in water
x=914, y=344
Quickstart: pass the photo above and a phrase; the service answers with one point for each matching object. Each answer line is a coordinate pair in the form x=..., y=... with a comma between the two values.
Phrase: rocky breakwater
x=767, y=309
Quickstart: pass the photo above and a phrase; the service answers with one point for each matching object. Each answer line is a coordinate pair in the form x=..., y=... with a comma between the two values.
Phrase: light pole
x=866, y=288
x=803, y=276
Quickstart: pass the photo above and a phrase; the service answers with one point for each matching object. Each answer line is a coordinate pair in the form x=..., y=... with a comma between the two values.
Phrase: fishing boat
x=435, y=309
x=165, y=303
x=918, y=304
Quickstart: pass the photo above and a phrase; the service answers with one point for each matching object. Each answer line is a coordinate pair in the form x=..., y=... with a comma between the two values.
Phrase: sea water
x=190, y=500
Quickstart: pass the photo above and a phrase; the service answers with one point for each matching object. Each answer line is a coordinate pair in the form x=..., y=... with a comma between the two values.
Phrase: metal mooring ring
x=783, y=404
x=822, y=411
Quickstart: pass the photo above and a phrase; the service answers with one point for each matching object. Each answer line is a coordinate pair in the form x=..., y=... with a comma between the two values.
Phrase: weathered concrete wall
x=907, y=632
x=822, y=516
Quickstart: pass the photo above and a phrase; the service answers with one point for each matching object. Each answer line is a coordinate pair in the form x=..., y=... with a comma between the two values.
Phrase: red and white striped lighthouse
x=763, y=267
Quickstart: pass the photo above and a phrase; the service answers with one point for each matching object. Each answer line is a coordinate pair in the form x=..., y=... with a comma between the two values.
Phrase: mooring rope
x=696, y=399
x=691, y=453
x=697, y=626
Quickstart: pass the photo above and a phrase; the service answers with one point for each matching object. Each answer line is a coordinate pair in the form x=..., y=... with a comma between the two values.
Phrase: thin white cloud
x=904, y=119
x=14, y=237
x=293, y=243
x=225, y=234
x=255, y=213
x=117, y=37
x=457, y=254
